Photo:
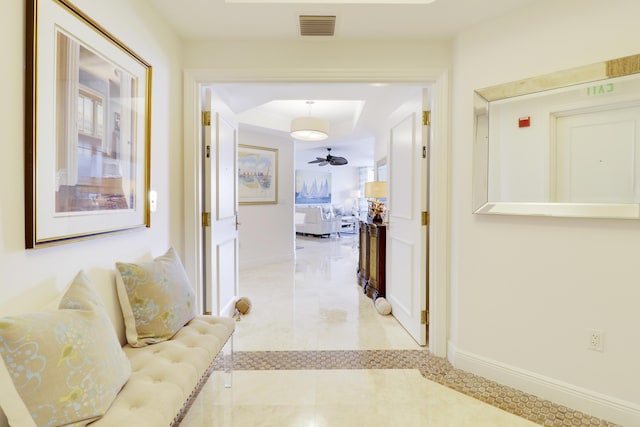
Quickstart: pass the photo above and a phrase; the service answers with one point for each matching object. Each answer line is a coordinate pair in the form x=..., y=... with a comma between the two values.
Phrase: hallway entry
x=314, y=302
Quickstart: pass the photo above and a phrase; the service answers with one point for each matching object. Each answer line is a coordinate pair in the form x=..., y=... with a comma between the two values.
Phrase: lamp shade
x=309, y=129
x=375, y=189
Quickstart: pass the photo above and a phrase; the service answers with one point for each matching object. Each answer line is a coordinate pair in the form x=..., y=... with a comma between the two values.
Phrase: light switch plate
x=153, y=201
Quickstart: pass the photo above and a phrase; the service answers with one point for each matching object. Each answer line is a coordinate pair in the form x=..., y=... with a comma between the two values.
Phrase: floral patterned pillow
x=156, y=298
x=61, y=367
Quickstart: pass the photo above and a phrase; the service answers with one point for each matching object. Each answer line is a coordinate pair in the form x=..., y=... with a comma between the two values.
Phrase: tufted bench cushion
x=166, y=376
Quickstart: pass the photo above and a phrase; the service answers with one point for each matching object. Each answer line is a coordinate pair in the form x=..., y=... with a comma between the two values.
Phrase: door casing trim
x=439, y=231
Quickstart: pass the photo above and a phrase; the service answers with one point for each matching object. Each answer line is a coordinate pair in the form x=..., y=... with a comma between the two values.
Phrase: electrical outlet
x=595, y=342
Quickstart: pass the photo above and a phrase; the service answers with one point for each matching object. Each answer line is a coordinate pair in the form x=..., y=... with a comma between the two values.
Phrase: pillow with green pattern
x=64, y=366
x=156, y=298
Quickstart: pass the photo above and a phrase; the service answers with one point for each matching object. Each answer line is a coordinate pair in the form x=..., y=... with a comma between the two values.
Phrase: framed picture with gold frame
x=87, y=136
x=257, y=175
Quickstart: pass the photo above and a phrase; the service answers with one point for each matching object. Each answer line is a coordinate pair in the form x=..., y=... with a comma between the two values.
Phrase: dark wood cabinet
x=372, y=259
x=363, y=262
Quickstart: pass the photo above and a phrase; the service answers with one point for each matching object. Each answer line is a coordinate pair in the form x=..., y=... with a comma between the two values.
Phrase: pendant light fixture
x=309, y=128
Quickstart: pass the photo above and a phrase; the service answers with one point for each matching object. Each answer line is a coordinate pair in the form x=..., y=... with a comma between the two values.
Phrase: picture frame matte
x=87, y=129
x=257, y=175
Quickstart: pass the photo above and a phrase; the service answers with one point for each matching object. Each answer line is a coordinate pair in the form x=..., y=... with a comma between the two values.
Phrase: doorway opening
x=195, y=79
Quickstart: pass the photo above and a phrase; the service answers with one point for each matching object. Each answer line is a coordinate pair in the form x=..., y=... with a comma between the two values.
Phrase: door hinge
x=424, y=151
x=206, y=118
x=206, y=219
x=424, y=317
x=425, y=218
x=426, y=118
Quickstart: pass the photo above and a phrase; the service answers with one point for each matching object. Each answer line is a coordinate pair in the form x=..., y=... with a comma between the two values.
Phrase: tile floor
x=314, y=352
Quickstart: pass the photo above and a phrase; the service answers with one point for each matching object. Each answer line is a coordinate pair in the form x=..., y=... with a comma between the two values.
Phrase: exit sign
x=600, y=89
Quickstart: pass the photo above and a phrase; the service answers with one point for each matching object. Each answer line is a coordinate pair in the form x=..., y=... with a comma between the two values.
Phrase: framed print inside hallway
x=87, y=135
x=257, y=175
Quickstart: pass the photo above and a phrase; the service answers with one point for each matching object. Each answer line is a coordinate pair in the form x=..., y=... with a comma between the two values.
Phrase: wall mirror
x=563, y=144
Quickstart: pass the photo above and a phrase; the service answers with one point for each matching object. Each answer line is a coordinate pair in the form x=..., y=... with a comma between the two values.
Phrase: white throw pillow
x=61, y=367
x=156, y=298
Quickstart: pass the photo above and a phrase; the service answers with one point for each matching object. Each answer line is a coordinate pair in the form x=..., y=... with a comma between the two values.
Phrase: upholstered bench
x=67, y=367
x=165, y=377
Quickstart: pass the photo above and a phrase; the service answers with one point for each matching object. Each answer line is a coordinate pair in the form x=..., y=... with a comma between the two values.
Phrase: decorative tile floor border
x=436, y=369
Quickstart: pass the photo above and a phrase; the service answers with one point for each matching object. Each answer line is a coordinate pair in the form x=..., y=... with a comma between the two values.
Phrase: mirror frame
x=618, y=67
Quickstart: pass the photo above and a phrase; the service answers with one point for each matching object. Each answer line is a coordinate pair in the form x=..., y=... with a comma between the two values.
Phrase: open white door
x=220, y=203
x=407, y=245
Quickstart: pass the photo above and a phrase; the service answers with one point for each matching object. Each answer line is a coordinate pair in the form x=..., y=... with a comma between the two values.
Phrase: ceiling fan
x=330, y=160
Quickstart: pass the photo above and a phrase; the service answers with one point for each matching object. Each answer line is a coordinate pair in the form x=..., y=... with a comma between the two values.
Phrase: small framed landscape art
x=87, y=135
x=257, y=175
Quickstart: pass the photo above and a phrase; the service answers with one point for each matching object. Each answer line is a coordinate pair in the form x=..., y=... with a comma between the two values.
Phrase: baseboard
x=599, y=405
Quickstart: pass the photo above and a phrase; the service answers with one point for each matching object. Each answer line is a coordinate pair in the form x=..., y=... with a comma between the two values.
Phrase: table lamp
x=374, y=191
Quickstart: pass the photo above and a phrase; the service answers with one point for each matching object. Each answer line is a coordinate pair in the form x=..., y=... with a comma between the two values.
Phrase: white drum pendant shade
x=309, y=129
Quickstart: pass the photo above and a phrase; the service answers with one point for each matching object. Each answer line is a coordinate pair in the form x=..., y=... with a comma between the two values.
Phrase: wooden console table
x=372, y=259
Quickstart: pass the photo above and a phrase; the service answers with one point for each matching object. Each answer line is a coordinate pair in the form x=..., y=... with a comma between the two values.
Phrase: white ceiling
x=354, y=112
x=357, y=108
x=278, y=20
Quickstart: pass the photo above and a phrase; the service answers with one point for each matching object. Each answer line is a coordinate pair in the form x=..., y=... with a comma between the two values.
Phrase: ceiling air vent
x=315, y=25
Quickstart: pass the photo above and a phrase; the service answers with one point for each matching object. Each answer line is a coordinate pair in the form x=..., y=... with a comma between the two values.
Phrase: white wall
x=31, y=278
x=525, y=289
x=267, y=231
x=310, y=55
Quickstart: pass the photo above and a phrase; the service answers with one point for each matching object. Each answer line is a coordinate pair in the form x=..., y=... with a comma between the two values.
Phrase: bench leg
x=227, y=355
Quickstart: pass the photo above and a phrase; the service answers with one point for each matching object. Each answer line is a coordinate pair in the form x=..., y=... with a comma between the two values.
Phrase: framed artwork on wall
x=257, y=175
x=312, y=188
x=87, y=135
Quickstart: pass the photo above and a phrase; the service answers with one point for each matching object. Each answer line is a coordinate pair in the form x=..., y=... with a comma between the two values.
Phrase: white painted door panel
x=406, y=276
x=220, y=200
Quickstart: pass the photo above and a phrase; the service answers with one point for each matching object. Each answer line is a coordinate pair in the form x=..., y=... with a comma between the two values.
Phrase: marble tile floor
x=313, y=352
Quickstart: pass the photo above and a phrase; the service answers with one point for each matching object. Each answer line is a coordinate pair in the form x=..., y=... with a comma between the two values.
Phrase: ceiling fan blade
x=338, y=161
x=329, y=160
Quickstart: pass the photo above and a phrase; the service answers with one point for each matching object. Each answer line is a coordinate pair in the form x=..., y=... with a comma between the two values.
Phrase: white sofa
x=317, y=220
x=162, y=378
